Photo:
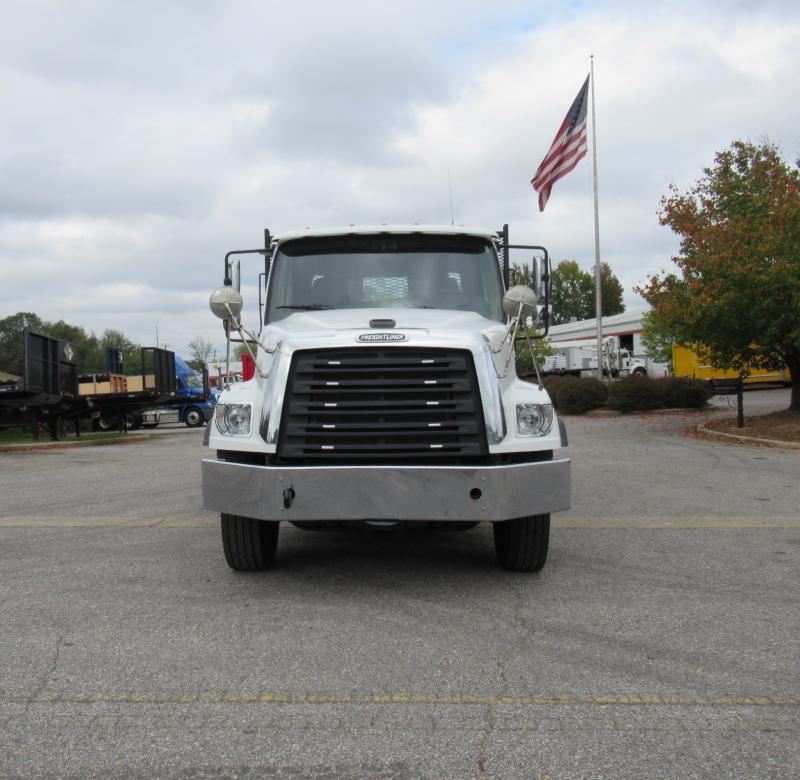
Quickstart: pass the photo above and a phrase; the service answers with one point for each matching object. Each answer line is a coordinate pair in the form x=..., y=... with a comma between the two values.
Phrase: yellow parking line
x=212, y=697
x=559, y=521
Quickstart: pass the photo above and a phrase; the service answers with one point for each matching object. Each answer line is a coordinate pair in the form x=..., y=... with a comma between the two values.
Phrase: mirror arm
x=242, y=331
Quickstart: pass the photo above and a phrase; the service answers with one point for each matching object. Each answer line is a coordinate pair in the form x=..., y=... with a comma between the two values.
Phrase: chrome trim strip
x=274, y=392
x=490, y=397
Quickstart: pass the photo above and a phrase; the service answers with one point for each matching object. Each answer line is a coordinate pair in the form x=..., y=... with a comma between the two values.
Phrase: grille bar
x=361, y=404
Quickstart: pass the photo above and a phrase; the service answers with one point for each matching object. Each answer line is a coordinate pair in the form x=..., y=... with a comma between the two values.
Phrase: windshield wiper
x=310, y=306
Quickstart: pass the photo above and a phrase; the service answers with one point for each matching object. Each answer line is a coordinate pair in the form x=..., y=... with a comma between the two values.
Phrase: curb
x=68, y=445
x=746, y=439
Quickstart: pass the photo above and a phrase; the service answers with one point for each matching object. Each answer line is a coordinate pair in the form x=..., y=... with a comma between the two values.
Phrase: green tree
x=91, y=351
x=201, y=350
x=11, y=349
x=131, y=352
x=520, y=274
x=610, y=293
x=738, y=292
x=658, y=336
x=541, y=350
x=572, y=294
x=242, y=350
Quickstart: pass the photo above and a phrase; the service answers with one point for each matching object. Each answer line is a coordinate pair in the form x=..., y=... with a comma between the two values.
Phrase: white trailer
x=579, y=358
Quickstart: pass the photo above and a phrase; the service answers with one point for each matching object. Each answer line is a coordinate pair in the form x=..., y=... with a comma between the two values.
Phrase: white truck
x=386, y=392
x=579, y=358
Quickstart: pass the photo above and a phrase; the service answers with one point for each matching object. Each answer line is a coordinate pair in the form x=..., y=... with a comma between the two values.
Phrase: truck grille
x=367, y=404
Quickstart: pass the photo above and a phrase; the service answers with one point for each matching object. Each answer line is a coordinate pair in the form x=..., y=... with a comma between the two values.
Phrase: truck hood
x=343, y=327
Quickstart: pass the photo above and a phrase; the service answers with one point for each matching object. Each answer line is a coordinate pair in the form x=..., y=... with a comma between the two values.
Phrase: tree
x=610, y=293
x=738, y=292
x=572, y=295
x=658, y=336
x=201, y=350
x=131, y=352
x=11, y=349
x=242, y=349
x=520, y=274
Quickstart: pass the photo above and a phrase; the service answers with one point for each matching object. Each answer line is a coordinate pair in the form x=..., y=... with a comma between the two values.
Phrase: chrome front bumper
x=455, y=493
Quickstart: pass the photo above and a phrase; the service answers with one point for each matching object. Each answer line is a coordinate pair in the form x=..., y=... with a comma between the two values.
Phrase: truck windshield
x=357, y=271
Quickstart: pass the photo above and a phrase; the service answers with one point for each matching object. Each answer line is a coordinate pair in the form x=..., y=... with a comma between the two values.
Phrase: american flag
x=567, y=149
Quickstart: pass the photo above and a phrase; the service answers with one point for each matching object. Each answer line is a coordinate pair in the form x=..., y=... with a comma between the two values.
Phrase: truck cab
x=194, y=400
x=385, y=392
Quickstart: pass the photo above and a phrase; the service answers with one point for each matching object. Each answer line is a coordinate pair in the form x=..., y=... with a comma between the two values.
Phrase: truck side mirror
x=536, y=274
x=236, y=276
x=520, y=294
x=226, y=302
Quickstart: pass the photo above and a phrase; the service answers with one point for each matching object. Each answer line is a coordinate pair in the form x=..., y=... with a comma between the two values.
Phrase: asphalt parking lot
x=661, y=640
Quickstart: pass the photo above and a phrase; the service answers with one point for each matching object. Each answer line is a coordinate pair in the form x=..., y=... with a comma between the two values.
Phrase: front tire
x=521, y=544
x=249, y=544
x=194, y=417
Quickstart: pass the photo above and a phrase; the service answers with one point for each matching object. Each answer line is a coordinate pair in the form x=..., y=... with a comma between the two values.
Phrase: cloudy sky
x=140, y=141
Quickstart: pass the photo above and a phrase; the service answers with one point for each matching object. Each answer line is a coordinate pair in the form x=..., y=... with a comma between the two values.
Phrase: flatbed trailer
x=48, y=394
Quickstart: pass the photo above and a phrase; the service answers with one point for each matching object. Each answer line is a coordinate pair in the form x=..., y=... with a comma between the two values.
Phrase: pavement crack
x=52, y=668
x=43, y=682
x=483, y=745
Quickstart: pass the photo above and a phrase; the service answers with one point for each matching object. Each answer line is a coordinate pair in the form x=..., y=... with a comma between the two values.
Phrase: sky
x=141, y=141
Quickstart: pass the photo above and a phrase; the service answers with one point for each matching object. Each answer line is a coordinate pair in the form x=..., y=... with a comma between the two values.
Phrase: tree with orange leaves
x=738, y=290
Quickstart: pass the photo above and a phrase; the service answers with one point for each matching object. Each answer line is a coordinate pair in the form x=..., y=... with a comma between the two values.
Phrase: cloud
x=142, y=141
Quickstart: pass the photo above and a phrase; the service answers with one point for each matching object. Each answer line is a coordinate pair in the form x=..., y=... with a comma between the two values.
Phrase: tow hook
x=288, y=497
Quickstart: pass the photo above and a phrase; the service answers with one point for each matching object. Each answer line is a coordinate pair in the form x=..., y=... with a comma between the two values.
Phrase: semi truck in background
x=192, y=402
x=385, y=392
x=579, y=358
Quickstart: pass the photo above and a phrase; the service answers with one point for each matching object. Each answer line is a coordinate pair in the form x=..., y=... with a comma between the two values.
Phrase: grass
x=17, y=436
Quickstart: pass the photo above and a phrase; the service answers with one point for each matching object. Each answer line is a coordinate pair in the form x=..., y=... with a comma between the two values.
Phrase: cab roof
x=452, y=230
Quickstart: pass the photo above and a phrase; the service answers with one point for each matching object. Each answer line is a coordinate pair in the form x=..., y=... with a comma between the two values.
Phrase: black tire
x=521, y=544
x=640, y=373
x=194, y=417
x=105, y=424
x=249, y=544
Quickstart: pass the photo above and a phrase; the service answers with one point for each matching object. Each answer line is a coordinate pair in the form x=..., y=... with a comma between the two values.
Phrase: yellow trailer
x=686, y=362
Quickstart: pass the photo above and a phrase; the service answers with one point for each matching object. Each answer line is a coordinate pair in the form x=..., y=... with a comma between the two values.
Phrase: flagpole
x=597, y=292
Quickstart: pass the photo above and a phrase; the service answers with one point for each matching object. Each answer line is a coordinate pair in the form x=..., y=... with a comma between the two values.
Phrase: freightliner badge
x=372, y=338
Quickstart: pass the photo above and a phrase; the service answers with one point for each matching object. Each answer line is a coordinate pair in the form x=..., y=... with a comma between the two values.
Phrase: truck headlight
x=534, y=419
x=233, y=419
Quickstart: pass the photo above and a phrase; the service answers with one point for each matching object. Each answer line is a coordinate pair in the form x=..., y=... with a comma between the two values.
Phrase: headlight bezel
x=533, y=419
x=228, y=425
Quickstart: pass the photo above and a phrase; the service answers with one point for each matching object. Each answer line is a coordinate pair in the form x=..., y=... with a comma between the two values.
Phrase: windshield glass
x=386, y=271
x=193, y=380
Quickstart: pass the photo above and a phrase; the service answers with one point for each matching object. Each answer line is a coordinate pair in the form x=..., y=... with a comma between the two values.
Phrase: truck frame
x=385, y=392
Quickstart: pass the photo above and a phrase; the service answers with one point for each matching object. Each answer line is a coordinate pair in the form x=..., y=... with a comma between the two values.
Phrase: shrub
x=576, y=396
x=685, y=393
x=636, y=394
x=553, y=383
x=596, y=390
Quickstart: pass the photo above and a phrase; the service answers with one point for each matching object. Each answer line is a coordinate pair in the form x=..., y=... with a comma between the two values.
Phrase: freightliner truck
x=386, y=392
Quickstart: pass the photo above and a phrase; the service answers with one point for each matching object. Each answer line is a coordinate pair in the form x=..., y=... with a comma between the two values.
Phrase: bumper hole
x=475, y=494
